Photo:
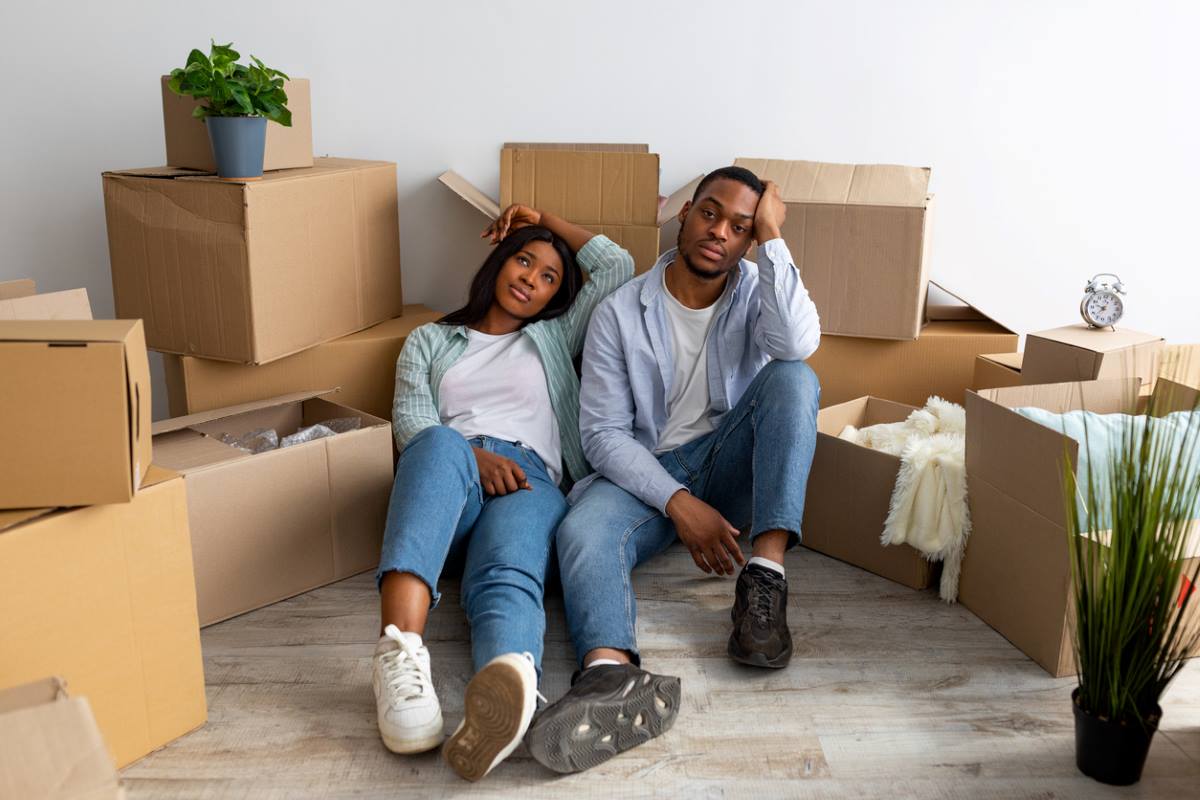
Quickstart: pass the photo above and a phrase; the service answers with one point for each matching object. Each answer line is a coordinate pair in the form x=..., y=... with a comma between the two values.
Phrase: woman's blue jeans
x=438, y=513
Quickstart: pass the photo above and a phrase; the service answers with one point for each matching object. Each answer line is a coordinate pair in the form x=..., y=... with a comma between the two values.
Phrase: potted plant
x=237, y=102
x=1129, y=519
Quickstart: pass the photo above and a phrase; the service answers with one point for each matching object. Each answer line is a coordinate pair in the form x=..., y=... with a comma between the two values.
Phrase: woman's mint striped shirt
x=432, y=349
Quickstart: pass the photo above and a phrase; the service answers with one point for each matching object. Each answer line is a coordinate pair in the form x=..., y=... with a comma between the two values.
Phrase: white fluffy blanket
x=929, y=502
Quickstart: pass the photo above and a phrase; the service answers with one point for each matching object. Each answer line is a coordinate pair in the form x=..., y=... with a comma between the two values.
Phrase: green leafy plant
x=1129, y=530
x=230, y=89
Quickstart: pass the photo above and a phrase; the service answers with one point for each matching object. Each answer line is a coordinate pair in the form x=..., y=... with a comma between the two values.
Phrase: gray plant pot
x=238, y=145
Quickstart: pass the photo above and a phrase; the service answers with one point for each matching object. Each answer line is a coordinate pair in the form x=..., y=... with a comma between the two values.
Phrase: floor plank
x=891, y=693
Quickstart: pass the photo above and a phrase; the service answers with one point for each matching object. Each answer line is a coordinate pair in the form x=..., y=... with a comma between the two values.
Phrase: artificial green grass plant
x=1129, y=532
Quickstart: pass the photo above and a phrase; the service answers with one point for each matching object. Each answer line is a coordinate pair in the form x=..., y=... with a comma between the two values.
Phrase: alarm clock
x=1102, y=306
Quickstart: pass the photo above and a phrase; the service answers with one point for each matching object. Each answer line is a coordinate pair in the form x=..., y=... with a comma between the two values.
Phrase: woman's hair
x=483, y=285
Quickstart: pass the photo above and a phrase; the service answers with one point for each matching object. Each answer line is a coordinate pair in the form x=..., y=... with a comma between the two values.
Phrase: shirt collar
x=653, y=286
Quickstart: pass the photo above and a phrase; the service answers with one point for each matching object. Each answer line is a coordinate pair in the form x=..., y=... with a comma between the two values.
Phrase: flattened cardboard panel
x=117, y=619
x=464, y=189
x=579, y=146
x=187, y=142
x=941, y=363
x=362, y=366
x=640, y=240
x=260, y=530
x=586, y=187
x=860, y=184
x=1015, y=575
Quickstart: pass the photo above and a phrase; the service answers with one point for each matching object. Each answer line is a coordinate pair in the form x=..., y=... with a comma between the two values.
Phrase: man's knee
x=793, y=382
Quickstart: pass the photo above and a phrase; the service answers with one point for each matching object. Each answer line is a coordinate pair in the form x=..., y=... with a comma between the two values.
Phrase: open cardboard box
x=104, y=596
x=860, y=236
x=362, y=366
x=994, y=370
x=270, y=526
x=1016, y=575
x=19, y=300
x=610, y=189
x=940, y=362
x=286, y=148
x=850, y=492
x=50, y=746
x=76, y=410
x=252, y=272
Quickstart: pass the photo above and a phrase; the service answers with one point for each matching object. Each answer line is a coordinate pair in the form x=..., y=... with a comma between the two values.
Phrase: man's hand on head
x=769, y=216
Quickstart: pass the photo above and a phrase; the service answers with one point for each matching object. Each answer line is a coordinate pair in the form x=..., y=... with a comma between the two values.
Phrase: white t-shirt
x=498, y=388
x=688, y=404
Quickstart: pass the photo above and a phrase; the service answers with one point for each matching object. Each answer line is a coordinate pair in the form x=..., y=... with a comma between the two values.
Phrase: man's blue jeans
x=753, y=469
x=439, y=513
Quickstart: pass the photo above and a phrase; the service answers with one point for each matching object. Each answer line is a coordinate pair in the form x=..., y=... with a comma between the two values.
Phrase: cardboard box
x=1016, y=574
x=850, y=492
x=1082, y=353
x=362, y=366
x=50, y=746
x=252, y=272
x=270, y=526
x=104, y=597
x=76, y=409
x=993, y=370
x=941, y=362
x=610, y=189
x=860, y=236
x=188, y=144
x=19, y=300
x=1181, y=364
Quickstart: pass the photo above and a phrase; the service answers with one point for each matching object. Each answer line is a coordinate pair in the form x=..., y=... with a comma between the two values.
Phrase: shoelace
x=528, y=656
x=762, y=596
x=402, y=671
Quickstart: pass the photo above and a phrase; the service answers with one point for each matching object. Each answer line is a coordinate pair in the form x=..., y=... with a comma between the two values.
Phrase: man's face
x=715, y=231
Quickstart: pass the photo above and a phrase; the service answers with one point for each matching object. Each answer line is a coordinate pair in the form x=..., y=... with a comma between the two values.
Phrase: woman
x=486, y=416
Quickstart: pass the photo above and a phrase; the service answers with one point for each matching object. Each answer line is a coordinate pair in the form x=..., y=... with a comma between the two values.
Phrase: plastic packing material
x=330, y=427
x=259, y=440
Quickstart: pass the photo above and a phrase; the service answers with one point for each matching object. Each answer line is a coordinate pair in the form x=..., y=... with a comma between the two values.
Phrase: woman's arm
x=518, y=216
x=413, y=409
x=608, y=266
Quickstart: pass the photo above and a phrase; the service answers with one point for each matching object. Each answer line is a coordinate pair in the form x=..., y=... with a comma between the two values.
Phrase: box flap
x=854, y=184
x=1100, y=340
x=31, y=694
x=155, y=172
x=968, y=311
x=1010, y=360
x=99, y=330
x=593, y=147
x=1172, y=396
x=21, y=287
x=11, y=518
x=69, y=304
x=200, y=417
x=467, y=191
x=670, y=206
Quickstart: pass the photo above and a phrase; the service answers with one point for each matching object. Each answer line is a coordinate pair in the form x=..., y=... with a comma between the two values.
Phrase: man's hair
x=739, y=174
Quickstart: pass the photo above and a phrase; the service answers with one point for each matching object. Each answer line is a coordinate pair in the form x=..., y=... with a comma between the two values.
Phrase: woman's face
x=529, y=279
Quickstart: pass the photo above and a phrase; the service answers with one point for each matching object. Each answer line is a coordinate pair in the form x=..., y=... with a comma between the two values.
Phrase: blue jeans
x=753, y=469
x=439, y=513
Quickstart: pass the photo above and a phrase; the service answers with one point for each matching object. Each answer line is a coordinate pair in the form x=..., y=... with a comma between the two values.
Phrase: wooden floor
x=890, y=694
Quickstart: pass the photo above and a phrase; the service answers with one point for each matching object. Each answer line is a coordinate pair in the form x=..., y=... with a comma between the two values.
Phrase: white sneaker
x=498, y=708
x=410, y=719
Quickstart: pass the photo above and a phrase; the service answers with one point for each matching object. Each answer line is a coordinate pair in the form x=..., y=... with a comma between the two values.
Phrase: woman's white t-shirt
x=498, y=388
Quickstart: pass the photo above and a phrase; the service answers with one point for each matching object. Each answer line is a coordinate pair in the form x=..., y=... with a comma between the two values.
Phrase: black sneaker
x=608, y=710
x=760, y=635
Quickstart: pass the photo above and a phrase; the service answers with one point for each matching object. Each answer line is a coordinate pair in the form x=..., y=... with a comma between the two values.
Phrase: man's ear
x=683, y=212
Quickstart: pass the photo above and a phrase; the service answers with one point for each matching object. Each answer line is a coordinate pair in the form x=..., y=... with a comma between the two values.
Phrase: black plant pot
x=1112, y=752
x=238, y=144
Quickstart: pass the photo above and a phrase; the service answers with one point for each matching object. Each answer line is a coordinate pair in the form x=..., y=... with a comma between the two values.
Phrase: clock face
x=1104, y=308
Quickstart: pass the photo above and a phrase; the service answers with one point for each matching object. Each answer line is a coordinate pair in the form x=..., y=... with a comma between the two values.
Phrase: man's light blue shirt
x=764, y=313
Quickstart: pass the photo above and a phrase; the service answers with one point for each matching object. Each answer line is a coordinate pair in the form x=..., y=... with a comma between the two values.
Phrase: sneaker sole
x=493, y=707
x=583, y=735
x=409, y=746
x=759, y=659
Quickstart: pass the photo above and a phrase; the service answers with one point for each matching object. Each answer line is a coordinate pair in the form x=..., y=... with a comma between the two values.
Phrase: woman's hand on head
x=499, y=475
x=513, y=217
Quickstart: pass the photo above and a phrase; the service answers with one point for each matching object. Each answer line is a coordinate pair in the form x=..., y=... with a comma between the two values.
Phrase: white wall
x=1062, y=136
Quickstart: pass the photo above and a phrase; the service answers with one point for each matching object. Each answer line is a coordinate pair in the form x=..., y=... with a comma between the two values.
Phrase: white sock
x=599, y=662
x=768, y=563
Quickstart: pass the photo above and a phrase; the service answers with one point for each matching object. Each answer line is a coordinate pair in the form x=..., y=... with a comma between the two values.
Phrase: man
x=698, y=413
